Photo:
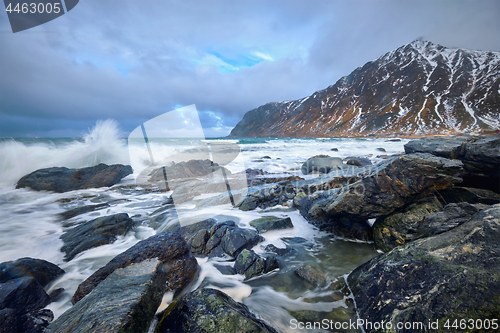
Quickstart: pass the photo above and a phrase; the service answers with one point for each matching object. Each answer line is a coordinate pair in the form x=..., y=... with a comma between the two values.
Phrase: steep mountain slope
x=419, y=88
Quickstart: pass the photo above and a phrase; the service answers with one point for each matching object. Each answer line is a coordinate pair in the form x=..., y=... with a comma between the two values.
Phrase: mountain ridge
x=417, y=89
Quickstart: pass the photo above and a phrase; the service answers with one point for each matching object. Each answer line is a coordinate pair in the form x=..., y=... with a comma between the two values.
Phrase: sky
x=132, y=61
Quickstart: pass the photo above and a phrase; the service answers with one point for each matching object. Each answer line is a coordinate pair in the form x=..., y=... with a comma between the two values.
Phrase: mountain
x=419, y=88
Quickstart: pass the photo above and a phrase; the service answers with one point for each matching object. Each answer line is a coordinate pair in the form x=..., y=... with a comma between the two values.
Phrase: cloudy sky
x=132, y=60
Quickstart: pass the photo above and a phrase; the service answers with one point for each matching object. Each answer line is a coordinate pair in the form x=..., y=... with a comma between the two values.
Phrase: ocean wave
x=101, y=144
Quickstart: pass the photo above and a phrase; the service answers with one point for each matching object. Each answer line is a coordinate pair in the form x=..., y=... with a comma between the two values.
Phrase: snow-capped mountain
x=419, y=88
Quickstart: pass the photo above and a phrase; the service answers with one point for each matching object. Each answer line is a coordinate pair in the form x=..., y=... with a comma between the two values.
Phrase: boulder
x=321, y=164
x=480, y=156
x=450, y=217
x=268, y=223
x=125, y=301
x=82, y=210
x=209, y=311
x=189, y=169
x=61, y=179
x=22, y=301
x=23, y=294
x=358, y=161
x=453, y=275
x=32, y=322
x=209, y=238
x=468, y=194
x=100, y=231
x=401, y=227
x=447, y=147
x=381, y=149
x=391, y=185
x=268, y=196
x=311, y=275
x=251, y=264
x=169, y=248
x=41, y=270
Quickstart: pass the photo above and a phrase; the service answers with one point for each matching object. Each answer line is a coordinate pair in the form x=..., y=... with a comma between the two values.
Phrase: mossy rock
x=210, y=311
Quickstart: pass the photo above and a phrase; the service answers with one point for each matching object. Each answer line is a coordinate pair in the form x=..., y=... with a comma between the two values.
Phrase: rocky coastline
x=433, y=213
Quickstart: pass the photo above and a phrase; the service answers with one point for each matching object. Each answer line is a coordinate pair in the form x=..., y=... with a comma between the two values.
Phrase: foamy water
x=31, y=225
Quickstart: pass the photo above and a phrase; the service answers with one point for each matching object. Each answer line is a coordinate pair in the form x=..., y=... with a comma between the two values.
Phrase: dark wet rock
x=321, y=164
x=82, y=210
x=257, y=181
x=450, y=217
x=453, y=275
x=358, y=161
x=391, y=185
x=41, y=270
x=12, y=321
x=22, y=297
x=189, y=169
x=311, y=275
x=217, y=239
x=237, y=239
x=266, y=157
x=393, y=140
x=381, y=149
x=224, y=269
x=103, y=230
x=61, y=179
x=23, y=294
x=468, y=194
x=267, y=223
x=448, y=147
x=480, y=156
x=209, y=311
x=251, y=264
x=125, y=301
x=268, y=196
x=279, y=251
x=401, y=227
x=334, y=149
x=56, y=294
x=169, y=248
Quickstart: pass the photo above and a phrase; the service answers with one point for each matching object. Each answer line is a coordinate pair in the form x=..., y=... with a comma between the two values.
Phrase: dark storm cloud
x=132, y=60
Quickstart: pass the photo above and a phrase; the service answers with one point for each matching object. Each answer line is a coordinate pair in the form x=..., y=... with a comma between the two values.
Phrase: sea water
x=30, y=224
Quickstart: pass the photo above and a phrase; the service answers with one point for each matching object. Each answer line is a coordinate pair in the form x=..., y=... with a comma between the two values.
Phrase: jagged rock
x=22, y=300
x=100, y=231
x=81, y=210
x=321, y=164
x=125, y=301
x=448, y=147
x=12, y=320
x=60, y=179
x=392, y=184
x=169, y=248
x=468, y=194
x=401, y=227
x=268, y=196
x=216, y=239
x=358, y=161
x=453, y=275
x=209, y=311
x=41, y=270
x=450, y=217
x=189, y=169
x=267, y=223
x=311, y=275
x=23, y=294
x=480, y=156
x=251, y=264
